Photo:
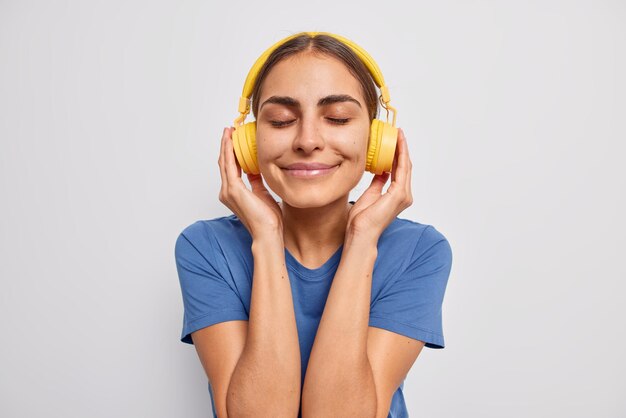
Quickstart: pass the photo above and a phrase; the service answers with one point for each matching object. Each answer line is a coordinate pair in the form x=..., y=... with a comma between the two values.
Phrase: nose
x=308, y=137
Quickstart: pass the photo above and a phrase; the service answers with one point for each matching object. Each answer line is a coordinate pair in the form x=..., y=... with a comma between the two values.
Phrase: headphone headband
x=244, y=100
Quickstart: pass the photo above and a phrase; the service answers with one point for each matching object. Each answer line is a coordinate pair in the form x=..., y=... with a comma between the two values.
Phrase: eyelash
x=279, y=124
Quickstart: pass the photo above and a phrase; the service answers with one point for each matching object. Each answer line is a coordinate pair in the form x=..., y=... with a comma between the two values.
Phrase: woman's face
x=311, y=111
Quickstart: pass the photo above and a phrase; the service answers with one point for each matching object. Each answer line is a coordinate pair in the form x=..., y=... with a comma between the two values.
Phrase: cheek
x=359, y=144
x=267, y=148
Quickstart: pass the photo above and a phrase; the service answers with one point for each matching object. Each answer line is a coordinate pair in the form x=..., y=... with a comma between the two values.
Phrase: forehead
x=308, y=77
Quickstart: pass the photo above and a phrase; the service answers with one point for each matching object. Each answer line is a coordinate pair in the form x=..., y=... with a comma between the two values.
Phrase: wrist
x=367, y=243
x=268, y=239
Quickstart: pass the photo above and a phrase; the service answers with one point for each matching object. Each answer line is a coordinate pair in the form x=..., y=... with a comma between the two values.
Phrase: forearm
x=266, y=380
x=339, y=379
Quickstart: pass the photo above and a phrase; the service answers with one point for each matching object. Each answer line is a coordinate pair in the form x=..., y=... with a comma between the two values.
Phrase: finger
x=233, y=170
x=388, y=203
x=409, y=189
x=400, y=185
x=394, y=166
x=378, y=182
x=221, y=161
x=239, y=169
x=404, y=158
x=256, y=183
x=408, y=167
x=396, y=157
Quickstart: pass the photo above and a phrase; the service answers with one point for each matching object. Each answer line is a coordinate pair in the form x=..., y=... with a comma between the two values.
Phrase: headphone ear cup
x=381, y=147
x=244, y=143
x=388, y=144
x=372, y=146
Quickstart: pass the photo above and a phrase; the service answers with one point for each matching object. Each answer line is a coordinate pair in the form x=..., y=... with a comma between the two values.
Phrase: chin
x=309, y=199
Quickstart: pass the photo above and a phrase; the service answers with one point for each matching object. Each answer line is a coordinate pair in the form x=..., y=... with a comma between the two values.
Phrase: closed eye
x=339, y=121
x=279, y=123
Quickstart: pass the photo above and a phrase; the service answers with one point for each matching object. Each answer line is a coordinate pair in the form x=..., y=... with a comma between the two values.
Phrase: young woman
x=314, y=306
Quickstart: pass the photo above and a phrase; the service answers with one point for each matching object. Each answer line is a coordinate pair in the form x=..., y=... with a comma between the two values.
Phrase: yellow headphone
x=383, y=135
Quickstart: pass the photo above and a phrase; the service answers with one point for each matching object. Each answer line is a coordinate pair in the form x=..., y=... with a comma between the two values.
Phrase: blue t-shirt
x=214, y=262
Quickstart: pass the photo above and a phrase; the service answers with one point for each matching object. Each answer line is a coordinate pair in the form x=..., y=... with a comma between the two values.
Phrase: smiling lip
x=309, y=166
x=310, y=169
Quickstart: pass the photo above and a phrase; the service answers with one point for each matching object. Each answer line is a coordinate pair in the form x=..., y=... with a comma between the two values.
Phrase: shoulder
x=413, y=240
x=214, y=228
x=406, y=231
x=207, y=234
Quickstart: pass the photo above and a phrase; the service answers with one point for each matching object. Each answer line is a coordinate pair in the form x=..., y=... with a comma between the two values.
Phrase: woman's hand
x=372, y=212
x=256, y=209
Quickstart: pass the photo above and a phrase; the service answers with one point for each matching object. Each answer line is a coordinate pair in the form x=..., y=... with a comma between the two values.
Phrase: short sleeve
x=207, y=297
x=412, y=305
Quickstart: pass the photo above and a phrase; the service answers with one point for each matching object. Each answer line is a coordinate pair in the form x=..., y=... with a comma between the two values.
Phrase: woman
x=313, y=306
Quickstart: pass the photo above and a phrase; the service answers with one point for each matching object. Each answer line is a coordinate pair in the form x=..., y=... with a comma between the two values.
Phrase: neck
x=315, y=231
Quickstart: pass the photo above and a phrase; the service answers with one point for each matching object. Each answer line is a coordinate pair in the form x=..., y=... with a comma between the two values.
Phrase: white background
x=111, y=114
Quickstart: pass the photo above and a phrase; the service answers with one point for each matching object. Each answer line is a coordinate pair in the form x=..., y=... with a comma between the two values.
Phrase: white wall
x=110, y=118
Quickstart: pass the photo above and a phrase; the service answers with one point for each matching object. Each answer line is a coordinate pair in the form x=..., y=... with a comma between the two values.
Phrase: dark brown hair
x=324, y=45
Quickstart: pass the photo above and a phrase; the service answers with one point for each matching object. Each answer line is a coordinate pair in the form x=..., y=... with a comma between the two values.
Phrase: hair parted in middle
x=320, y=44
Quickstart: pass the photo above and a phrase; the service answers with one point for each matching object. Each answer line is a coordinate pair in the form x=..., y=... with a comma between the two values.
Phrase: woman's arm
x=266, y=380
x=339, y=379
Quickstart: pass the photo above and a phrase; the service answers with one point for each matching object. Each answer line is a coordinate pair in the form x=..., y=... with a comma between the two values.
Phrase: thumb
x=256, y=182
x=378, y=182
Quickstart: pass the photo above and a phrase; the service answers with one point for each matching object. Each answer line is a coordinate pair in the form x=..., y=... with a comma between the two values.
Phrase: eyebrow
x=324, y=101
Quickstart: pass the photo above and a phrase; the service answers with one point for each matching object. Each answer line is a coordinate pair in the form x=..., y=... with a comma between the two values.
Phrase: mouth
x=308, y=172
